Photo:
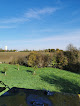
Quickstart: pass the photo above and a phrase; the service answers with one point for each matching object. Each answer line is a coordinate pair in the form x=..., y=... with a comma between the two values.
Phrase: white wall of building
x=5, y=47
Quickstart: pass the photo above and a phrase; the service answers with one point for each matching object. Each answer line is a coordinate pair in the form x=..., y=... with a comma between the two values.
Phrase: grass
x=46, y=78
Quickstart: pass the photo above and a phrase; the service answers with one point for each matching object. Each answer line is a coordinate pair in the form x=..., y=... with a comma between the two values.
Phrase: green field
x=46, y=78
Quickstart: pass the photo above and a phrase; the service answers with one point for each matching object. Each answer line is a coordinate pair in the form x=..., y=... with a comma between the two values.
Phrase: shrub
x=38, y=59
x=44, y=60
x=22, y=61
x=72, y=56
x=61, y=60
x=73, y=67
x=54, y=62
x=14, y=61
x=33, y=59
x=19, y=60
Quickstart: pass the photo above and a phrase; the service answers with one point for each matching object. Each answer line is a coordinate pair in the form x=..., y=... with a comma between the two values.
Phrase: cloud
x=55, y=41
x=36, y=13
x=72, y=36
x=32, y=13
x=44, y=30
x=14, y=20
x=7, y=27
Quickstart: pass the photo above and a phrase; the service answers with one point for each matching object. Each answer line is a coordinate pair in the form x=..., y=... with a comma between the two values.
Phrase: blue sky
x=39, y=24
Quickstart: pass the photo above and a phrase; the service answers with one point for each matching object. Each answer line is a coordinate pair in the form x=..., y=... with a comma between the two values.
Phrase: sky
x=39, y=24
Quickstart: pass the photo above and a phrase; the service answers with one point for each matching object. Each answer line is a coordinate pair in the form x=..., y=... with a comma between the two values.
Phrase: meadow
x=52, y=79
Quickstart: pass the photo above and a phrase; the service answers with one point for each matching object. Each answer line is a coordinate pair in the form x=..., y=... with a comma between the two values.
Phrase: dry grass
x=7, y=57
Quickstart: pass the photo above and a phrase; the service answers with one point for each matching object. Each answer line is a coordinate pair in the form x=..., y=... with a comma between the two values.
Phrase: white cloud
x=44, y=30
x=68, y=37
x=57, y=41
x=14, y=20
x=35, y=13
x=7, y=27
x=32, y=13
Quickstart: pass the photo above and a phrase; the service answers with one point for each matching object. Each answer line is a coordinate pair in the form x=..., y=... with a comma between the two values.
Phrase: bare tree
x=70, y=47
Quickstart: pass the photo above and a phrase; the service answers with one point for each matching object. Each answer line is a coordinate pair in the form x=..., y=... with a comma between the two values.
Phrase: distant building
x=16, y=51
x=5, y=48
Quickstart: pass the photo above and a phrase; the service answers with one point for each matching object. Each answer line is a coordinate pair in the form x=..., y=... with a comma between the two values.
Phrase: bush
x=72, y=56
x=38, y=59
x=19, y=60
x=14, y=61
x=45, y=60
x=73, y=67
x=22, y=61
x=33, y=59
x=61, y=60
x=54, y=62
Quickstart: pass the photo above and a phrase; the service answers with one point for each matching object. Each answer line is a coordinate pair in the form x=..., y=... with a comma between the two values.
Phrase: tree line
x=67, y=60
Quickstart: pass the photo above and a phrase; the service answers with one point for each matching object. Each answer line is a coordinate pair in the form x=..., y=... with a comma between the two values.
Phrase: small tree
x=72, y=54
x=35, y=68
x=70, y=47
x=33, y=59
x=5, y=69
x=17, y=66
x=44, y=60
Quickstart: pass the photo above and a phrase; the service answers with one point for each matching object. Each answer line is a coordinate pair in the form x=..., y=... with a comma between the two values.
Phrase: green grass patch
x=46, y=78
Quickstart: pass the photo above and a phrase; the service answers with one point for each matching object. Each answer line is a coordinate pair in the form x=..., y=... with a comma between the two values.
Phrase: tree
x=70, y=47
x=52, y=50
x=17, y=66
x=38, y=59
x=72, y=53
x=35, y=68
x=33, y=59
x=61, y=60
x=5, y=69
x=54, y=62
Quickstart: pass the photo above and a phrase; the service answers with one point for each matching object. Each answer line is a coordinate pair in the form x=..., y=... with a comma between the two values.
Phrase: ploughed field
x=52, y=79
x=7, y=57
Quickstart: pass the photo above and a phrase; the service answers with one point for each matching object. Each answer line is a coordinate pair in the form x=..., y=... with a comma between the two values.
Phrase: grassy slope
x=47, y=78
